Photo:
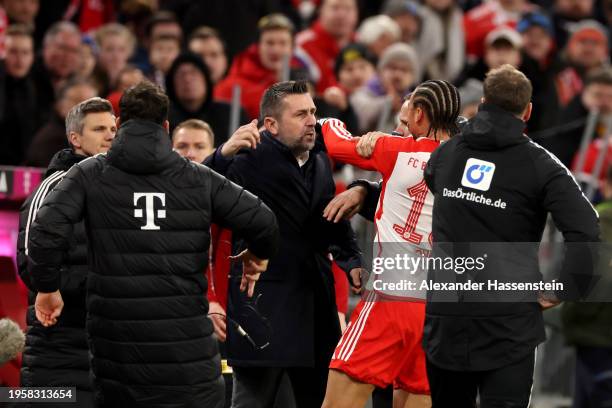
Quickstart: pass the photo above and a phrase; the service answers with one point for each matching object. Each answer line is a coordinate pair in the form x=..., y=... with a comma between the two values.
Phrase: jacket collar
x=142, y=147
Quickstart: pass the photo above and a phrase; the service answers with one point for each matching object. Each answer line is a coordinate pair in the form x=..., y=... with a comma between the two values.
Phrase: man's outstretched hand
x=345, y=204
x=252, y=267
x=48, y=307
x=245, y=137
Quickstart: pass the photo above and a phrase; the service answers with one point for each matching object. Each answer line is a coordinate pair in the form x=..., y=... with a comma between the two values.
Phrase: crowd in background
x=361, y=57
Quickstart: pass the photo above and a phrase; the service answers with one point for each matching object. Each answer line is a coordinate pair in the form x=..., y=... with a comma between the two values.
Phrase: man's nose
x=311, y=120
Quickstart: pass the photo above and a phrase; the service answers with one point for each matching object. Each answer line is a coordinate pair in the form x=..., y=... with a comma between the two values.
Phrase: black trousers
x=258, y=387
x=505, y=387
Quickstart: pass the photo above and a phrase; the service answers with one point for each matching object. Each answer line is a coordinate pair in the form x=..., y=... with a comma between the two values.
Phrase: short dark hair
x=508, y=88
x=145, y=101
x=601, y=76
x=160, y=17
x=441, y=102
x=274, y=96
x=76, y=117
x=73, y=82
x=204, y=33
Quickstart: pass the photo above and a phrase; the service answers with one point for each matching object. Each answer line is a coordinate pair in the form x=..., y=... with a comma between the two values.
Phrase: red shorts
x=382, y=345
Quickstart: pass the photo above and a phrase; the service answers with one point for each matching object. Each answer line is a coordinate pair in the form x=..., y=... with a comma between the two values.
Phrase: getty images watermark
x=415, y=268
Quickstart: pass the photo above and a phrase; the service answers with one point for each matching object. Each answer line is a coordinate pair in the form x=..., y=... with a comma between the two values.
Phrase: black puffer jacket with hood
x=147, y=213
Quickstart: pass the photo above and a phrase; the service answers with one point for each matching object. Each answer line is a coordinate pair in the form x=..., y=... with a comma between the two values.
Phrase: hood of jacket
x=63, y=160
x=195, y=60
x=141, y=147
x=493, y=128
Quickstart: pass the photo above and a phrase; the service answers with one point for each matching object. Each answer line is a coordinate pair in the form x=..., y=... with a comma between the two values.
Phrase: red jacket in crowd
x=318, y=50
x=248, y=72
x=480, y=21
x=592, y=154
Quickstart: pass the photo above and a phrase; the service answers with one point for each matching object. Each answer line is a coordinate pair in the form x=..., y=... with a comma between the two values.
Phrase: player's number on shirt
x=418, y=193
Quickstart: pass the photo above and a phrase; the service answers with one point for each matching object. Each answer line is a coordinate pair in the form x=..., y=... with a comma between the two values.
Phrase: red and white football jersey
x=405, y=206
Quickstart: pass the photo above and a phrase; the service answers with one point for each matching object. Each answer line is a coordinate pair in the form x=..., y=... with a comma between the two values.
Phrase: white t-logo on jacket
x=150, y=209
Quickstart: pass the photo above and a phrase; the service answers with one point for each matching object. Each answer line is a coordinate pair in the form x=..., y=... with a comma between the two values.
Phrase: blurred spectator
x=407, y=14
x=586, y=50
x=164, y=50
x=483, y=19
x=3, y=25
x=206, y=42
x=539, y=62
x=22, y=11
x=236, y=20
x=115, y=44
x=606, y=12
x=377, y=33
x=379, y=101
x=354, y=67
x=597, y=95
x=502, y=46
x=190, y=90
x=52, y=136
x=193, y=139
x=261, y=65
x=586, y=325
x=128, y=77
x=136, y=16
x=301, y=12
x=19, y=102
x=88, y=15
x=319, y=46
x=61, y=58
x=538, y=37
x=566, y=13
x=441, y=44
x=470, y=95
x=163, y=23
x=89, y=56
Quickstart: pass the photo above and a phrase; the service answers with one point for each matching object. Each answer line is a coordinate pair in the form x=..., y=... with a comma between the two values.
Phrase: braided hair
x=440, y=101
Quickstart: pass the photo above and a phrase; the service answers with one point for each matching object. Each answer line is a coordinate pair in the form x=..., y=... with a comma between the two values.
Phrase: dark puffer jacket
x=56, y=356
x=147, y=214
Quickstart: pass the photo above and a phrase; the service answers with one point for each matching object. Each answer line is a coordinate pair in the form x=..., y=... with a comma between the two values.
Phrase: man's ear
x=117, y=122
x=271, y=125
x=166, y=125
x=74, y=140
x=420, y=114
x=527, y=113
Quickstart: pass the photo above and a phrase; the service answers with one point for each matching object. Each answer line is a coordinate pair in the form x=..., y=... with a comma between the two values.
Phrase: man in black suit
x=295, y=317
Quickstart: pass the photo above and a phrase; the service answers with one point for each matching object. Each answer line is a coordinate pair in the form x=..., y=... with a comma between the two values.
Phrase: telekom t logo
x=150, y=209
